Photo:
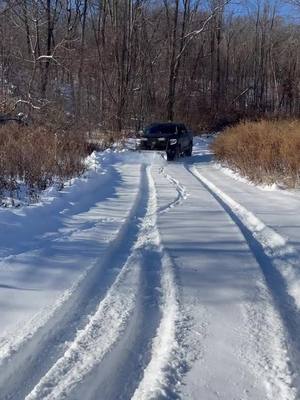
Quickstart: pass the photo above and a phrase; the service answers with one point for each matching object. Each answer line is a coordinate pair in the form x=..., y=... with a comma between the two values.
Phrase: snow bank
x=283, y=255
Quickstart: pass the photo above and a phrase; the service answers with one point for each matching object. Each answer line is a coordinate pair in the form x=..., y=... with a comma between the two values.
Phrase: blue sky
x=284, y=9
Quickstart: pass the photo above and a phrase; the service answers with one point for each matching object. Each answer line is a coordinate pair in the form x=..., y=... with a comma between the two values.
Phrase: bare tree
x=124, y=63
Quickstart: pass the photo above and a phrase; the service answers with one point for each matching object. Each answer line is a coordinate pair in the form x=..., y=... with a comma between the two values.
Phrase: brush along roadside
x=265, y=152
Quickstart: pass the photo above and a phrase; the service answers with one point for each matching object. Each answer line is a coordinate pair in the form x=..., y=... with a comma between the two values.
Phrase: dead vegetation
x=103, y=139
x=36, y=157
x=264, y=151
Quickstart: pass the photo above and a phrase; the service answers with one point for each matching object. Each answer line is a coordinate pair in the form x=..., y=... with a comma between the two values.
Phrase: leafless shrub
x=102, y=139
x=38, y=157
x=264, y=151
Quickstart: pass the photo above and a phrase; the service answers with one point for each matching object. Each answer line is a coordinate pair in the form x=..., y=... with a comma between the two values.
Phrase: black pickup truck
x=173, y=138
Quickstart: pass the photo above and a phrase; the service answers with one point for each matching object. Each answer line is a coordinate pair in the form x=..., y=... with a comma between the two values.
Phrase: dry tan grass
x=264, y=151
x=101, y=140
x=38, y=156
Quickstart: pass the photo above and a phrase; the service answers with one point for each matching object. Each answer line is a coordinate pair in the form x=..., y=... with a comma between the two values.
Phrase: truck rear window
x=164, y=129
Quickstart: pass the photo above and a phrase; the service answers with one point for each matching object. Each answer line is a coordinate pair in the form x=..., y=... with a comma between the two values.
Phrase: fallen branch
x=29, y=103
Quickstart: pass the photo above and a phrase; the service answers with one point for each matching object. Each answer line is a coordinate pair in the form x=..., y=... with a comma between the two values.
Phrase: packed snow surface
x=150, y=280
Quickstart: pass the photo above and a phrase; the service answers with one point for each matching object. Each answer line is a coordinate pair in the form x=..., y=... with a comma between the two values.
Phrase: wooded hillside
x=121, y=63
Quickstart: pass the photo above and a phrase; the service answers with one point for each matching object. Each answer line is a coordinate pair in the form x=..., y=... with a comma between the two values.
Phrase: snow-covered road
x=152, y=280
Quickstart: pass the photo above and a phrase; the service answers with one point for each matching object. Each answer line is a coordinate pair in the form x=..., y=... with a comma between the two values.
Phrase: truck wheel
x=171, y=156
x=189, y=151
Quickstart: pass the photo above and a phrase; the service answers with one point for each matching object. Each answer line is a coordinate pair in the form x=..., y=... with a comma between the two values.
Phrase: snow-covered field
x=152, y=280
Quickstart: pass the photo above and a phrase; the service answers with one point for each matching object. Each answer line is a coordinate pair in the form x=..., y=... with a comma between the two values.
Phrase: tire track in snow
x=279, y=263
x=31, y=358
x=182, y=193
x=160, y=377
x=108, y=325
x=284, y=257
x=117, y=374
x=96, y=339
